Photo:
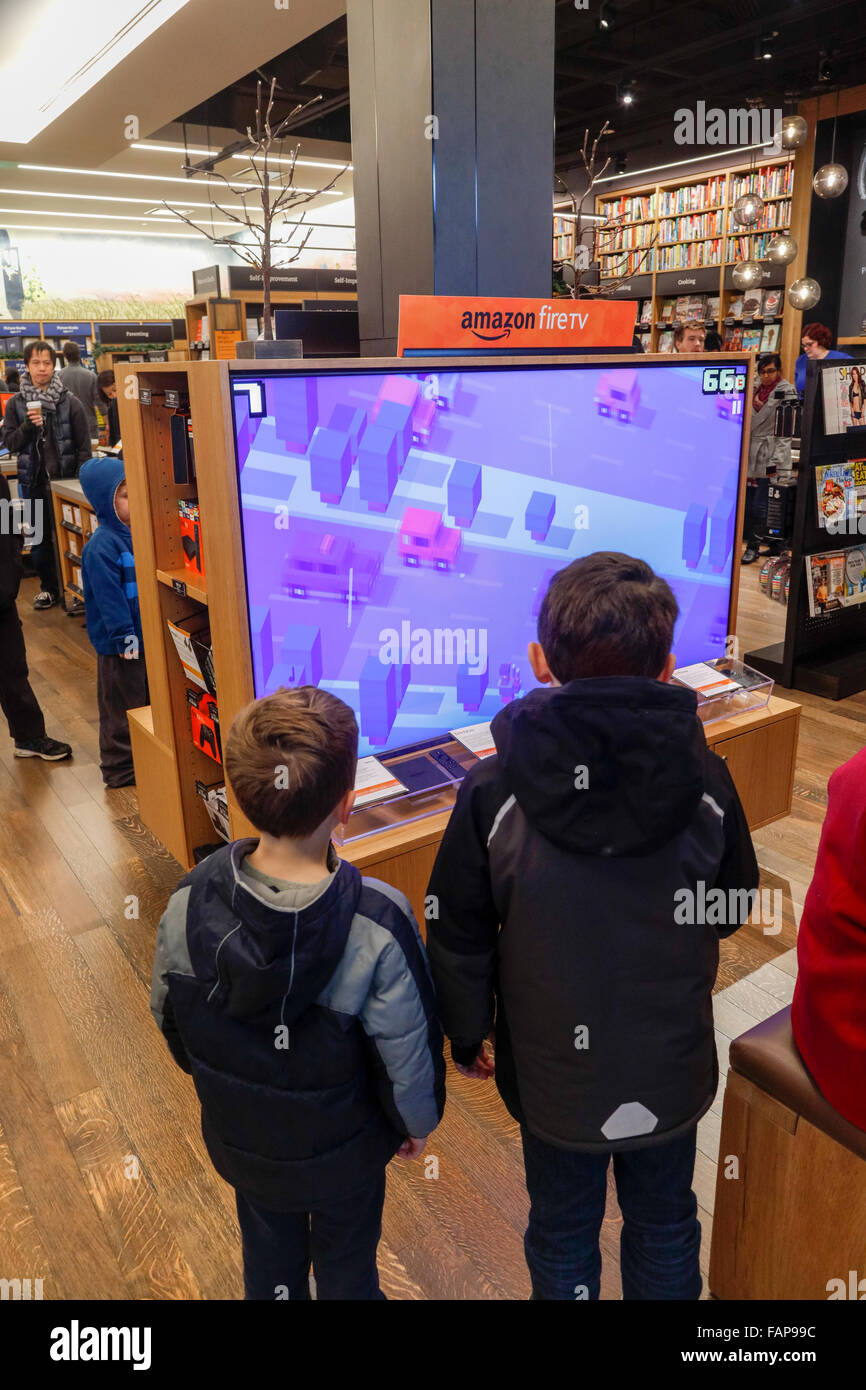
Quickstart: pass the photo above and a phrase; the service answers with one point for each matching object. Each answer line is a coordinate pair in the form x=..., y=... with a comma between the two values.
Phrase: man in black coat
x=47, y=428
x=19, y=704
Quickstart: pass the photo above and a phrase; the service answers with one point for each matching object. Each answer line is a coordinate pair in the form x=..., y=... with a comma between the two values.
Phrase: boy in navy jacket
x=297, y=995
x=113, y=618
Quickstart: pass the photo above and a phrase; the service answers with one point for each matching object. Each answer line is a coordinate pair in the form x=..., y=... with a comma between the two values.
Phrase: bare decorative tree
x=276, y=195
x=595, y=239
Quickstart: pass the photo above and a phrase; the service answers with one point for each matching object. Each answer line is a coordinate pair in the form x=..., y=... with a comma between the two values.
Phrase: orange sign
x=225, y=341
x=428, y=322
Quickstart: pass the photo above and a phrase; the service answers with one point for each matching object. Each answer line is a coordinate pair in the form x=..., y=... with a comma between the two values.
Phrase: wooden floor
x=105, y=1188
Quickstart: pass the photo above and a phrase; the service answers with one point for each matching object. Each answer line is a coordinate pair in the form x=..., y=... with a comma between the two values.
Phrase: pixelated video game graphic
x=400, y=529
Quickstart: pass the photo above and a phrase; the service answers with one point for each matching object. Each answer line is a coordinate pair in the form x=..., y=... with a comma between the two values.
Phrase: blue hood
x=100, y=479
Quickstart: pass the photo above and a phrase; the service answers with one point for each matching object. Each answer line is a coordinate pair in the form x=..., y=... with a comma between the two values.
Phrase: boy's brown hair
x=607, y=615
x=290, y=758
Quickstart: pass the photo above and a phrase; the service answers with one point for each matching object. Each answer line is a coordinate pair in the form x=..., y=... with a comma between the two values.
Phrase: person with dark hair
x=857, y=395
x=17, y=701
x=47, y=428
x=108, y=406
x=13, y=379
x=712, y=341
x=298, y=996
x=766, y=452
x=816, y=341
x=569, y=895
x=82, y=383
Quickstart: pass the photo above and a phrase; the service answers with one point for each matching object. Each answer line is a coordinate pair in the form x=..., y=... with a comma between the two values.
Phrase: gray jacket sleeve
x=170, y=954
x=399, y=1017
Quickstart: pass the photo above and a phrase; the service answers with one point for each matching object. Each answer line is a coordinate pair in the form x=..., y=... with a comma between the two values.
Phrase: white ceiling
x=89, y=175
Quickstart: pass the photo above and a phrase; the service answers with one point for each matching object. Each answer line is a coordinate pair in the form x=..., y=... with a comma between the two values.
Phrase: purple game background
x=502, y=456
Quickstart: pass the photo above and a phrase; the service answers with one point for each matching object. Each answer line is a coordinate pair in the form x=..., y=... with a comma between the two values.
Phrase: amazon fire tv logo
x=498, y=325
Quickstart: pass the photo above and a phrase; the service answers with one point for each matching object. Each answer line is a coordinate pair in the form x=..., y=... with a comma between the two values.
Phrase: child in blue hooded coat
x=113, y=618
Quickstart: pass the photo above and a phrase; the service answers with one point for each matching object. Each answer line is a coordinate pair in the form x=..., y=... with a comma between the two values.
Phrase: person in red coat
x=828, y=1014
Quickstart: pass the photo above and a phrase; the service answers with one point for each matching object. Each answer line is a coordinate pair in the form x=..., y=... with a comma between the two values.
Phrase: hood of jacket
x=266, y=953
x=610, y=766
x=100, y=478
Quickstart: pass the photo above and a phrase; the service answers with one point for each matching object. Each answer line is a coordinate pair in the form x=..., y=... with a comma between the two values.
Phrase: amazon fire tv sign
x=453, y=323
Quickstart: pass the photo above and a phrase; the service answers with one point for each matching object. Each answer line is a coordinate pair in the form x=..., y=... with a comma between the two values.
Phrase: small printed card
x=477, y=738
x=373, y=782
x=704, y=679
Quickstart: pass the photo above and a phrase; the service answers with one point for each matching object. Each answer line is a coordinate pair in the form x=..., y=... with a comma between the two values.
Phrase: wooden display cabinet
x=74, y=524
x=760, y=747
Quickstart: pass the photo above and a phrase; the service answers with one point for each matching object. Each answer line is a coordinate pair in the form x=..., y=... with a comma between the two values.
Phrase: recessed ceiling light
x=204, y=153
x=159, y=178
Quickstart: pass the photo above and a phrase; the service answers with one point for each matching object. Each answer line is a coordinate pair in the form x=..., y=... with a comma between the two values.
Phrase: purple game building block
x=694, y=534
x=394, y=415
x=471, y=687
x=294, y=404
x=261, y=639
x=722, y=532
x=302, y=649
x=352, y=421
x=378, y=467
x=377, y=698
x=539, y=516
x=330, y=463
x=464, y=491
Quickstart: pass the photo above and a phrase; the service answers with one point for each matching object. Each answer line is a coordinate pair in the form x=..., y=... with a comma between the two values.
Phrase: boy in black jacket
x=297, y=994
x=19, y=704
x=570, y=901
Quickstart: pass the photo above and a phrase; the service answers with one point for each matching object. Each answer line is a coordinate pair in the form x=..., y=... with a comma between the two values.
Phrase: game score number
x=723, y=381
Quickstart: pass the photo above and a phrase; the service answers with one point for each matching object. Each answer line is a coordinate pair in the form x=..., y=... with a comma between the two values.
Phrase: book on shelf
x=646, y=311
x=770, y=337
x=772, y=302
x=751, y=339
x=836, y=579
x=681, y=308
x=666, y=341
x=752, y=301
x=735, y=308
x=667, y=310
x=696, y=307
x=713, y=307
x=733, y=338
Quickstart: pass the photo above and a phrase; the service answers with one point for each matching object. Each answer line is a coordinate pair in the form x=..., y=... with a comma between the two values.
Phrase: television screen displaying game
x=400, y=528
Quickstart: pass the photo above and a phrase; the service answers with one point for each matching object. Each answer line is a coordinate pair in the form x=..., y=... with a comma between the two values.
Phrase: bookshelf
x=696, y=243
x=74, y=523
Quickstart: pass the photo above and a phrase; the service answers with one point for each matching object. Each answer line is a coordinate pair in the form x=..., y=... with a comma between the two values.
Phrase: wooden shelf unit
x=761, y=747
x=68, y=492
x=643, y=262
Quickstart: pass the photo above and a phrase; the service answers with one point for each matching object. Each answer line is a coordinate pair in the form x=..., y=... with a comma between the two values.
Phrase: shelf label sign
x=452, y=322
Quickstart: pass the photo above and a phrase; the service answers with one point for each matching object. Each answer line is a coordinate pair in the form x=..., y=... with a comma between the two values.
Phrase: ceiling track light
x=625, y=93
x=606, y=18
x=765, y=46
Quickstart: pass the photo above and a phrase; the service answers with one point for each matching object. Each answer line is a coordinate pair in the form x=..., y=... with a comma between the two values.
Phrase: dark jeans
x=17, y=700
x=43, y=556
x=121, y=685
x=338, y=1239
x=661, y=1237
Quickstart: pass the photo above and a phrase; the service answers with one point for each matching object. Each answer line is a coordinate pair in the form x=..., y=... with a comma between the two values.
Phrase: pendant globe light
x=745, y=274
x=793, y=133
x=831, y=179
x=747, y=209
x=804, y=294
x=782, y=249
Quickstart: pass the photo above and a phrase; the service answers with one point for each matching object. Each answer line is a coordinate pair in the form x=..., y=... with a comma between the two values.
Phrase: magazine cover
x=844, y=390
x=826, y=582
x=770, y=337
x=841, y=495
x=752, y=301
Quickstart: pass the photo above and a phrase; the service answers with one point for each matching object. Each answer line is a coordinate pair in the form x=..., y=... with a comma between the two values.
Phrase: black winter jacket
x=311, y=1035
x=10, y=550
x=70, y=435
x=560, y=903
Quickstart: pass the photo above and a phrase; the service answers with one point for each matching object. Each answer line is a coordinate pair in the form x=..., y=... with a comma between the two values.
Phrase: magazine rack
x=824, y=655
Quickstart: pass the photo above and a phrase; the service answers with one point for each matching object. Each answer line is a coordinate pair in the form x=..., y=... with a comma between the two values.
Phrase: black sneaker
x=75, y=609
x=748, y=556
x=46, y=748
x=44, y=600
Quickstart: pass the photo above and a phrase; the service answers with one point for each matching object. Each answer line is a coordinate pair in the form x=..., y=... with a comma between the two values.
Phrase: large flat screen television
x=400, y=527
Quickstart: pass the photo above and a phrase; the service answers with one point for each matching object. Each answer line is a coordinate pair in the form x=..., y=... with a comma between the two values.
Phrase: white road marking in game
x=565, y=409
x=351, y=595
x=550, y=436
